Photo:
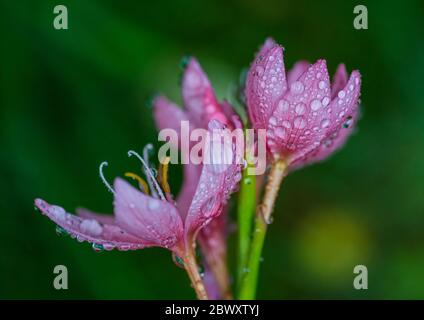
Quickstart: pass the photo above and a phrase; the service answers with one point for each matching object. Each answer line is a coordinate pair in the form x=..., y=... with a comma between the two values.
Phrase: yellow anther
x=142, y=184
x=163, y=169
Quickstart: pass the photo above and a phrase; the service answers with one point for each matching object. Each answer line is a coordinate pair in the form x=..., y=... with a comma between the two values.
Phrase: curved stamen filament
x=163, y=169
x=148, y=148
x=141, y=182
x=149, y=173
x=108, y=186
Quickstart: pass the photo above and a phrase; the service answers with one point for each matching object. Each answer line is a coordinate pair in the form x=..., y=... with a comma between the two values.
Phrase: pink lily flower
x=141, y=220
x=201, y=106
x=306, y=118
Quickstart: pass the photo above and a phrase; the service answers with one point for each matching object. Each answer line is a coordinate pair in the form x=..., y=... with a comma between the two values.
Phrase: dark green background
x=71, y=99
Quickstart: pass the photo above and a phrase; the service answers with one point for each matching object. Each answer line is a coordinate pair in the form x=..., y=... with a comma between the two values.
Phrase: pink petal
x=198, y=95
x=100, y=217
x=337, y=139
x=298, y=69
x=217, y=182
x=300, y=119
x=339, y=80
x=167, y=114
x=265, y=84
x=153, y=220
x=268, y=44
x=344, y=115
x=191, y=179
x=211, y=286
x=89, y=229
x=212, y=239
x=346, y=101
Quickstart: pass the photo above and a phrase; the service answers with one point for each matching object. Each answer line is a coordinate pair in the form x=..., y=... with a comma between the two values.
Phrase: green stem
x=245, y=212
x=263, y=218
x=246, y=208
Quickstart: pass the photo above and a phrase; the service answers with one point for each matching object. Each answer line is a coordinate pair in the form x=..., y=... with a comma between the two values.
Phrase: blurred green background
x=71, y=99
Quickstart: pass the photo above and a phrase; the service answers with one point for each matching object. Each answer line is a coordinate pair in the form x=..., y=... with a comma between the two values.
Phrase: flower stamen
x=163, y=169
x=142, y=184
x=154, y=186
x=102, y=177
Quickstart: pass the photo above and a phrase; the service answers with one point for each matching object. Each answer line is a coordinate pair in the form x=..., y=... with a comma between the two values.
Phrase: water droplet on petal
x=91, y=227
x=321, y=85
x=341, y=94
x=58, y=212
x=300, y=108
x=179, y=262
x=97, y=247
x=61, y=231
x=315, y=104
x=108, y=246
x=153, y=204
x=296, y=87
x=259, y=70
x=348, y=122
x=299, y=122
x=273, y=121
x=209, y=207
x=286, y=124
x=325, y=101
x=192, y=79
x=283, y=106
x=325, y=123
x=280, y=132
x=169, y=242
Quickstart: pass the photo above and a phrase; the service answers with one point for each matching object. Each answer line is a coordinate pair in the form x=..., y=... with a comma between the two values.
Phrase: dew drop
x=179, y=262
x=296, y=87
x=269, y=220
x=280, y=132
x=97, y=247
x=61, y=231
x=91, y=227
x=169, y=241
x=286, y=124
x=299, y=122
x=348, y=122
x=283, y=106
x=300, y=108
x=341, y=94
x=259, y=70
x=325, y=101
x=273, y=121
x=315, y=104
x=321, y=85
x=192, y=79
x=108, y=246
x=325, y=123
x=153, y=204
x=208, y=208
x=58, y=212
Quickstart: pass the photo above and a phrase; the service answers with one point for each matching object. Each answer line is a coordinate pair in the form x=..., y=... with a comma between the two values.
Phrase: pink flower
x=306, y=118
x=142, y=220
x=201, y=106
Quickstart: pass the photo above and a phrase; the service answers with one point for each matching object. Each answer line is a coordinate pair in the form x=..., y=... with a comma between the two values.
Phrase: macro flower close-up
x=233, y=152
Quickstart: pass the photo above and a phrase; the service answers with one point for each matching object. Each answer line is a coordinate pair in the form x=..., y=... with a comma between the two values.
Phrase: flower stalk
x=192, y=269
x=245, y=214
x=263, y=218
